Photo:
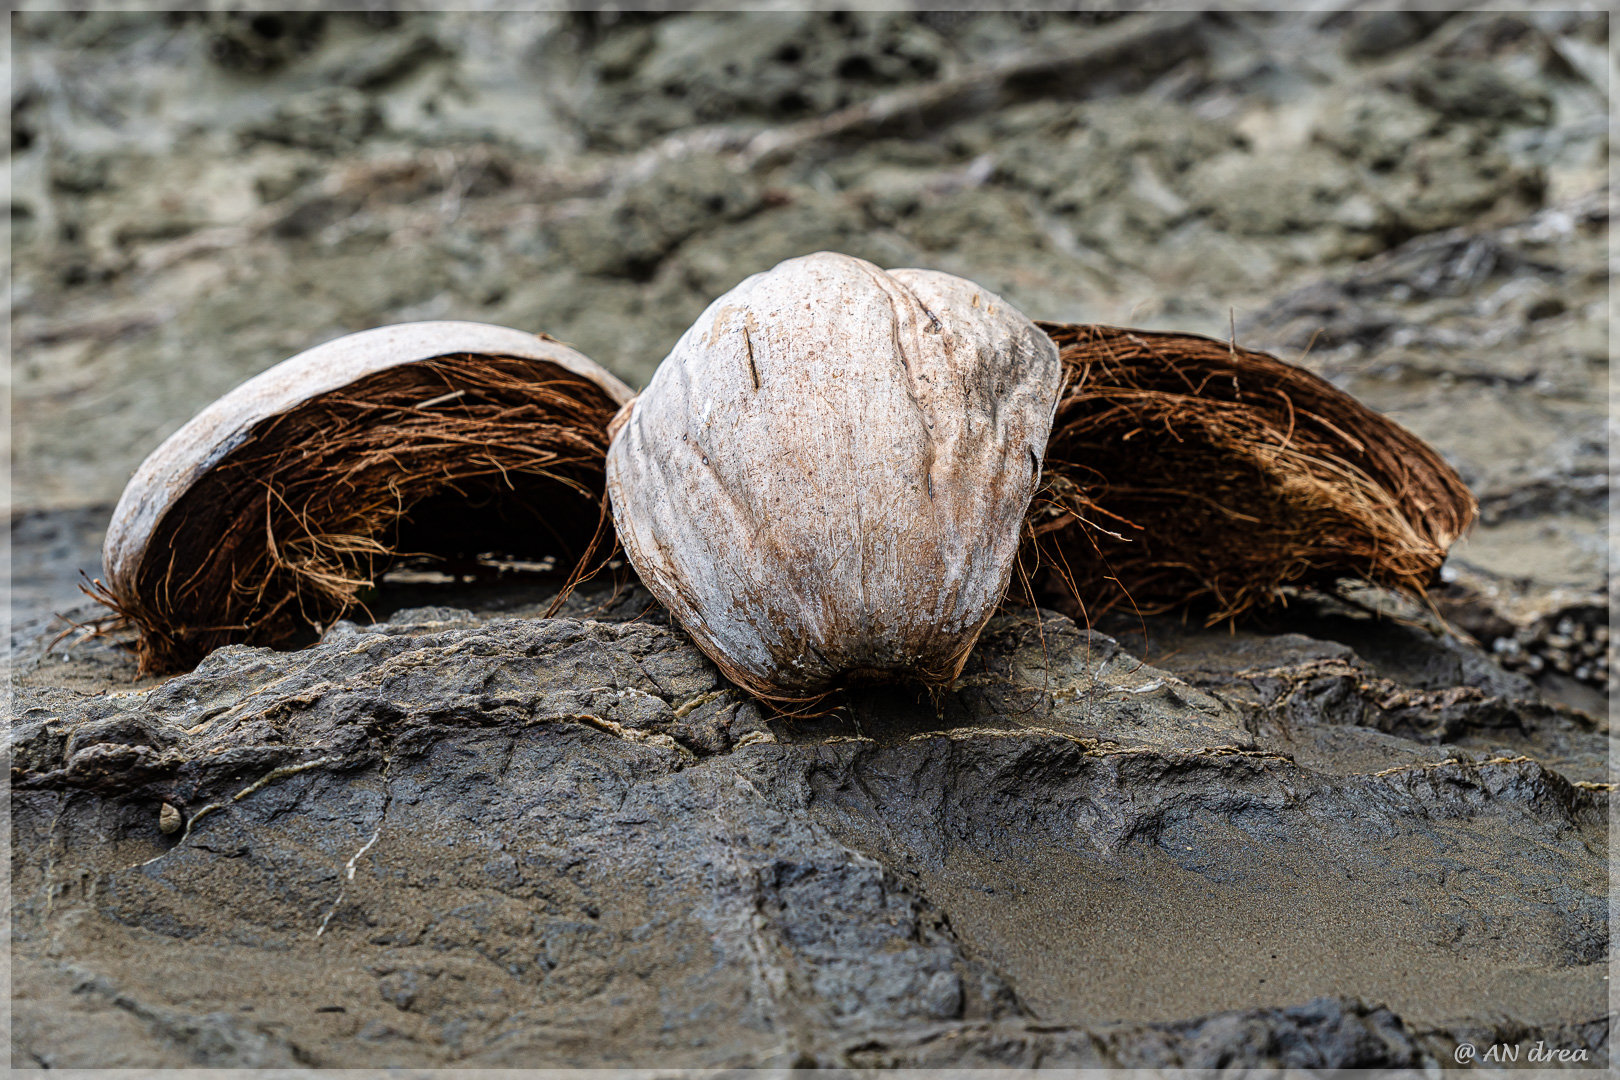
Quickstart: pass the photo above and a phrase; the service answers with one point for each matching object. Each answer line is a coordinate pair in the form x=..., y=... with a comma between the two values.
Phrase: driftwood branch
x=1127, y=53
x=1137, y=49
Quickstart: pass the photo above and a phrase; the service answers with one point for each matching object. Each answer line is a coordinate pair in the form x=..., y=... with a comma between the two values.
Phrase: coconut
x=272, y=512
x=826, y=480
x=1186, y=470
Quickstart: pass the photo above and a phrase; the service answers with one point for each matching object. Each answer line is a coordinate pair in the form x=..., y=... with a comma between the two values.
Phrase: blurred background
x=1412, y=202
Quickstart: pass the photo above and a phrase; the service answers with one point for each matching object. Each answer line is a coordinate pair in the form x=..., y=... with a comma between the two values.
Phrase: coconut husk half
x=272, y=512
x=1183, y=470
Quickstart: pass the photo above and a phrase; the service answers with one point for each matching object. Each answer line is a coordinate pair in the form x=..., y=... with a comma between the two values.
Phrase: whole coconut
x=826, y=480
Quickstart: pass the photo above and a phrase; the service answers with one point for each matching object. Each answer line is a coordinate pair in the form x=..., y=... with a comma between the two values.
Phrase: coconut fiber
x=455, y=456
x=1183, y=470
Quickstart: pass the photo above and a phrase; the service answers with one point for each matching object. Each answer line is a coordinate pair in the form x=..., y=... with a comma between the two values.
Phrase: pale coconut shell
x=361, y=430
x=826, y=479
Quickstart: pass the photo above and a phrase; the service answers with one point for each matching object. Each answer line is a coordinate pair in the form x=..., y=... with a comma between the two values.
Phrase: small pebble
x=169, y=819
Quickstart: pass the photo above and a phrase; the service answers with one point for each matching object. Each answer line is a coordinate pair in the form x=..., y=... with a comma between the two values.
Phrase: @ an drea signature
x=1497, y=1053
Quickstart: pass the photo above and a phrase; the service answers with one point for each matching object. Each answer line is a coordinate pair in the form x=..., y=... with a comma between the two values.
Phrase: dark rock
x=771, y=65
x=382, y=61
x=80, y=174
x=1373, y=34
x=1477, y=90
x=456, y=839
x=329, y=120
x=631, y=233
x=1327, y=1033
x=260, y=42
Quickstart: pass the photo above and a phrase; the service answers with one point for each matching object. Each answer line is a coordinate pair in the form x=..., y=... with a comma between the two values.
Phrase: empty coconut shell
x=1182, y=468
x=827, y=478
x=268, y=513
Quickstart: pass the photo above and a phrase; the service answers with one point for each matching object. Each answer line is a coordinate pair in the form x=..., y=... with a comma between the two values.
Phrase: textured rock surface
x=490, y=839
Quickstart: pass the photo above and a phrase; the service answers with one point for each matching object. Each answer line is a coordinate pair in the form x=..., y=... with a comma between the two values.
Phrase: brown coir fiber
x=454, y=456
x=1184, y=470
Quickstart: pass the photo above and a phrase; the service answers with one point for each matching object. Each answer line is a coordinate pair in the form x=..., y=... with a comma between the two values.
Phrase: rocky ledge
x=485, y=838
